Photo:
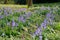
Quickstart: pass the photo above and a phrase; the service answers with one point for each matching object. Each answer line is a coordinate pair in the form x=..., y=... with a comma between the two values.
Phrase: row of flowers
x=21, y=18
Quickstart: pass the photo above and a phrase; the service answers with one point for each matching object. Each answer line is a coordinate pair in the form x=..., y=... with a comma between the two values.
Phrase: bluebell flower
x=37, y=31
x=23, y=9
x=48, y=15
x=13, y=23
x=20, y=10
x=43, y=25
x=48, y=20
x=43, y=8
x=27, y=15
x=45, y=21
x=40, y=37
x=10, y=11
x=1, y=16
x=5, y=12
x=21, y=18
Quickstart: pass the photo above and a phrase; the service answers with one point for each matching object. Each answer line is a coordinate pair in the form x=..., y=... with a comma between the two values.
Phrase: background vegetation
x=17, y=22
x=24, y=1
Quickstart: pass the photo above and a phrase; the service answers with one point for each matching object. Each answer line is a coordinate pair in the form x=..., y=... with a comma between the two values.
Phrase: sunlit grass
x=13, y=5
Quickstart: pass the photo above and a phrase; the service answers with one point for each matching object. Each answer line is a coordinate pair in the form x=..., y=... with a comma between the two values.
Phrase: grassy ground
x=34, y=5
x=23, y=35
x=13, y=6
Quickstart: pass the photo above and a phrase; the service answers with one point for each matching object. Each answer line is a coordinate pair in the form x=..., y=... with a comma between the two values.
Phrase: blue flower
x=48, y=20
x=27, y=15
x=48, y=15
x=21, y=18
x=13, y=23
x=40, y=37
x=43, y=25
x=37, y=31
x=5, y=12
x=1, y=16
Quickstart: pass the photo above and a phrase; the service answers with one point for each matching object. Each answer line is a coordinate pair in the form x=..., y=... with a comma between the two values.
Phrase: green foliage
x=24, y=1
x=7, y=2
x=24, y=30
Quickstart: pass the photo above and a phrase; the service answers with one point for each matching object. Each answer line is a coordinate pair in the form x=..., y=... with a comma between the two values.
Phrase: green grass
x=34, y=5
x=25, y=34
x=13, y=5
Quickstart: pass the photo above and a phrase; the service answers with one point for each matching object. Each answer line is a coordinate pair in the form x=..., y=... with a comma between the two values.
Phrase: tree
x=29, y=3
x=5, y=2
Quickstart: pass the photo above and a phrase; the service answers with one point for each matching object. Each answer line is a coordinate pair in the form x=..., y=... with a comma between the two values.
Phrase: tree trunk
x=5, y=2
x=29, y=3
